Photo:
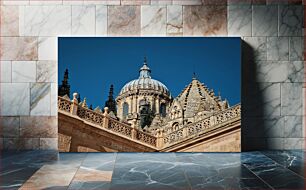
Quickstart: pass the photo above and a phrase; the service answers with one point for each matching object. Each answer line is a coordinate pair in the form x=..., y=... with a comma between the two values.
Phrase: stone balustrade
x=193, y=129
x=130, y=131
x=104, y=120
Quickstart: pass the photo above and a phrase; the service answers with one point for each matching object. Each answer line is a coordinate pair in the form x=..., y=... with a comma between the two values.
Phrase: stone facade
x=82, y=129
x=148, y=103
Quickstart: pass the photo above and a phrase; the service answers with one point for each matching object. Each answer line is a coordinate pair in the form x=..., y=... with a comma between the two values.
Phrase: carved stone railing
x=130, y=131
x=104, y=121
x=146, y=138
x=190, y=130
x=90, y=115
x=119, y=127
x=64, y=104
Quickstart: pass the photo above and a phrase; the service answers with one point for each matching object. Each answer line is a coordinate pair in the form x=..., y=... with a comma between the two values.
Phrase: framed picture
x=149, y=94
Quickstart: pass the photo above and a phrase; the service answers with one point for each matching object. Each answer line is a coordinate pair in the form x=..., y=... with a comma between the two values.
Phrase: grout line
x=183, y=171
x=242, y=164
x=277, y=164
x=77, y=168
x=115, y=161
x=281, y=164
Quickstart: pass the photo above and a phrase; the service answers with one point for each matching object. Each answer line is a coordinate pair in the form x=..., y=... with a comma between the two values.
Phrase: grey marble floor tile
x=218, y=171
x=271, y=172
x=293, y=160
x=148, y=171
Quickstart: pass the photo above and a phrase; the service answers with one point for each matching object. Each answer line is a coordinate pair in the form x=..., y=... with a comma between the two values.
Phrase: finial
x=75, y=97
x=145, y=60
x=194, y=76
x=105, y=110
x=144, y=71
x=84, y=105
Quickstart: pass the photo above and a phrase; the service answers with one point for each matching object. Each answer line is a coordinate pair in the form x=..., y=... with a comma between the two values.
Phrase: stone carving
x=171, y=136
x=210, y=122
x=64, y=104
x=120, y=128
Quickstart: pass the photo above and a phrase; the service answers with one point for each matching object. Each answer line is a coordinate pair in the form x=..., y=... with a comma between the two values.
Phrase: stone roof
x=197, y=97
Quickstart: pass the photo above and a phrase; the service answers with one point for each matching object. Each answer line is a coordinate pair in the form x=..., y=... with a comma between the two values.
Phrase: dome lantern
x=145, y=71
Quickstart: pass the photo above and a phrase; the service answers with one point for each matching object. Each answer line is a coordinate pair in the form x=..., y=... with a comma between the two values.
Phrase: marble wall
x=273, y=67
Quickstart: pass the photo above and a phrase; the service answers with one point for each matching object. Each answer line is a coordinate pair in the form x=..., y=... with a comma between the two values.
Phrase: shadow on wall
x=252, y=122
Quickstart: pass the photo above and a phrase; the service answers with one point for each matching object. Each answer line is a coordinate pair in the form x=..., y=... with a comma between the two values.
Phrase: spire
x=64, y=88
x=65, y=81
x=111, y=92
x=111, y=103
x=145, y=71
x=79, y=97
x=194, y=76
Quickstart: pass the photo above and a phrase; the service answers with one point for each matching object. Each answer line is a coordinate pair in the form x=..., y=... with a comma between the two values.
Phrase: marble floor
x=125, y=171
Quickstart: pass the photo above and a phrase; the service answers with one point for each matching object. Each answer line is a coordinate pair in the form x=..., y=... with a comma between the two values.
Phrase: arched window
x=175, y=126
x=142, y=102
x=125, y=109
x=162, y=110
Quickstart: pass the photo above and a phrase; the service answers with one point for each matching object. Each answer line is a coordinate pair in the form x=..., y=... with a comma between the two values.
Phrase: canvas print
x=134, y=94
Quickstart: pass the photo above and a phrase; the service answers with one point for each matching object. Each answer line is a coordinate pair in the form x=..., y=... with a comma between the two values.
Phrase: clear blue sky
x=96, y=63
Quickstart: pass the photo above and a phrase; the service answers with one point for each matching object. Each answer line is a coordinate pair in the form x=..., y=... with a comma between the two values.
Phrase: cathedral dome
x=145, y=82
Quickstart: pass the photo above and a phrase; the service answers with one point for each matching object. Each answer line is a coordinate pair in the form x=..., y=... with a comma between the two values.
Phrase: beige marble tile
x=47, y=48
x=46, y=2
x=205, y=21
x=187, y=2
x=9, y=127
x=15, y=99
x=28, y=144
x=48, y=144
x=161, y=2
x=18, y=48
x=9, y=21
x=153, y=20
x=239, y=20
x=38, y=126
x=1, y=144
x=101, y=20
x=50, y=176
x=54, y=93
x=46, y=71
x=23, y=71
x=102, y=2
x=15, y=2
x=135, y=2
x=51, y=20
x=73, y=2
x=214, y=2
x=6, y=71
x=175, y=20
x=40, y=100
x=83, y=20
x=11, y=143
x=123, y=20
x=88, y=174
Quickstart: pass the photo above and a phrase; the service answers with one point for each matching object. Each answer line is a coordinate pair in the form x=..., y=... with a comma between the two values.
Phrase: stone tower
x=64, y=88
x=111, y=103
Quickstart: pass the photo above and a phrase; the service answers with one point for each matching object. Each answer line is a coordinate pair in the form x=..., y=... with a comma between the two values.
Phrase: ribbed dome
x=145, y=82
